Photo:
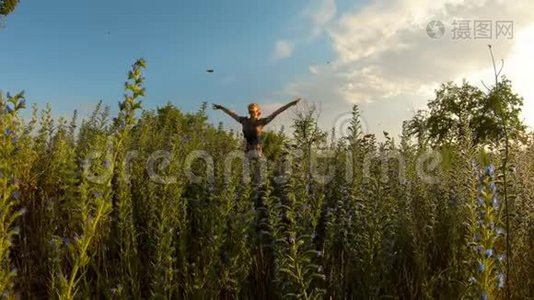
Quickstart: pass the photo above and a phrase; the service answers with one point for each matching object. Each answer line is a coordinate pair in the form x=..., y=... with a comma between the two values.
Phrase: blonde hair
x=253, y=106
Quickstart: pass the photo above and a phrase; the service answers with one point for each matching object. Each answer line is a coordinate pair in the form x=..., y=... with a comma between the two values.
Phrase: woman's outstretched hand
x=216, y=106
x=294, y=102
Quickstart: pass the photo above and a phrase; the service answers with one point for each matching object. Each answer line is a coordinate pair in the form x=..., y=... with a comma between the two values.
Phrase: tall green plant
x=10, y=126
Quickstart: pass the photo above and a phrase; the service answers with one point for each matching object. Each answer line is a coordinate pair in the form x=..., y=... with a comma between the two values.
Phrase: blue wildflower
x=490, y=170
x=484, y=296
x=489, y=252
x=107, y=163
x=8, y=109
x=493, y=187
x=500, y=280
x=16, y=195
x=495, y=201
x=8, y=131
x=481, y=267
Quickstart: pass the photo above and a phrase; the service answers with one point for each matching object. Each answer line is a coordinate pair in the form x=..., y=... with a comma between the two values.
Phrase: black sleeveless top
x=252, y=129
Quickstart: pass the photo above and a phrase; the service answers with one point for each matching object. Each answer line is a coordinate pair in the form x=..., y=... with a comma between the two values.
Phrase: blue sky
x=73, y=53
x=332, y=53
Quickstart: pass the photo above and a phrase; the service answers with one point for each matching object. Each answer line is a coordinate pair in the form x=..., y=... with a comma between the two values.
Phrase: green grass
x=108, y=211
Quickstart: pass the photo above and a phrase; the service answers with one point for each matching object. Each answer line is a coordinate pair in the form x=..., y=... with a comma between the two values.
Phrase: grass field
x=157, y=204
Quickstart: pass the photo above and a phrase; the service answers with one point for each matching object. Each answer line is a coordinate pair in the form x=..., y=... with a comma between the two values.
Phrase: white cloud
x=314, y=69
x=321, y=12
x=520, y=69
x=318, y=14
x=282, y=49
x=386, y=61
